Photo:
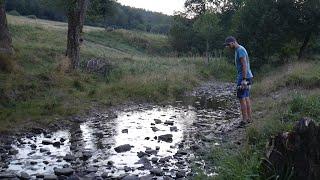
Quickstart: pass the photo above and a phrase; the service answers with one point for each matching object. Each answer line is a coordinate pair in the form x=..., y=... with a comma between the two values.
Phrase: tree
x=75, y=13
x=5, y=37
x=207, y=25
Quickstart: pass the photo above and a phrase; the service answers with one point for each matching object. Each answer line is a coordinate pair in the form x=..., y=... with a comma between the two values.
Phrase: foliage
x=104, y=13
x=14, y=13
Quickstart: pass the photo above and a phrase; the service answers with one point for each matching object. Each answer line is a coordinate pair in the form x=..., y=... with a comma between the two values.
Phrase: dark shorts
x=243, y=93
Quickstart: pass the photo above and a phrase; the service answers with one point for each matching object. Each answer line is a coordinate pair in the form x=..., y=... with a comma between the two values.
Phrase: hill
x=37, y=87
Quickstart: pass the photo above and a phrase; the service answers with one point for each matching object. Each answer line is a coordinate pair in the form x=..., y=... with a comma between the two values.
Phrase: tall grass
x=43, y=90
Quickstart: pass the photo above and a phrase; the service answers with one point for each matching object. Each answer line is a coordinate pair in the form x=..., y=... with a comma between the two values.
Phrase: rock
x=141, y=154
x=110, y=163
x=130, y=177
x=157, y=148
x=182, y=152
x=105, y=175
x=56, y=144
x=50, y=177
x=147, y=138
x=154, y=160
x=174, y=128
x=62, y=140
x=33, y=162
x=125, y=131
x=33, y=146
x=157, y=121
x=151, y=151
x=180, y=174
x=127, y=169
x=42, y=150
x=166, y=138
x=86, y=155
x=13, y=152
x=69, y=158
x=39, y=176
x=46, y=142
x=155, y=129
x=91, y=170
x=156, y=171
x=170, y=123
x=146, y=163
x=7, y=175
x=147, y=177
x=63, y=171
x=123, y=148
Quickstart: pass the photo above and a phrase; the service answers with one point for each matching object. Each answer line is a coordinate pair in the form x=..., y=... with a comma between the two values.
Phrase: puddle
x=91, y=145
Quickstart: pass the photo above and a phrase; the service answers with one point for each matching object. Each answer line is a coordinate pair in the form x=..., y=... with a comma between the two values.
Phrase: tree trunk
x=207, y=52
x=83, y=10
x=304, y=45
x=74, y=32
x=5, y=37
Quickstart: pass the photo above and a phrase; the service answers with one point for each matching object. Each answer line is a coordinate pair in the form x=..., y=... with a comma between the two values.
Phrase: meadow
x=38, y=87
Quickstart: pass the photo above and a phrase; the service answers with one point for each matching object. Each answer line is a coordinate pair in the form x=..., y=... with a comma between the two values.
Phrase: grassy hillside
x=37, y=88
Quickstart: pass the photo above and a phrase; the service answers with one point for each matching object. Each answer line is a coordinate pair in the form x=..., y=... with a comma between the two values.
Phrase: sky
x=164, y=6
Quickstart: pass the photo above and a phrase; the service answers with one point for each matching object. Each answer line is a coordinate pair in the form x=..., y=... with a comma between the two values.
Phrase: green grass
x=38, y=88
x=281, y=97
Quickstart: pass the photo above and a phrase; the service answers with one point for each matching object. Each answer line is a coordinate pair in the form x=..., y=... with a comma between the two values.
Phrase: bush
x=7, y=63
x=302, y=106
x=14, y=13
x=32, y=16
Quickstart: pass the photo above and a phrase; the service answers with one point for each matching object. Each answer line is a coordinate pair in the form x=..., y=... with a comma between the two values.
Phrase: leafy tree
x=207, y=25
x=5, y=37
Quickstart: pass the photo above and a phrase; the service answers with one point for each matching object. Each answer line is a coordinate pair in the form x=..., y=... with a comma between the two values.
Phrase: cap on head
x=229, y=39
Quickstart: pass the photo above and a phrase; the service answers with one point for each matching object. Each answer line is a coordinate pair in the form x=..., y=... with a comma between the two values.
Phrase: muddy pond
x=137, y=142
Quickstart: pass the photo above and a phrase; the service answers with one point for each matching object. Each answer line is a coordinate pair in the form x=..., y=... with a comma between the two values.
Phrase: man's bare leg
x=249, y=111
x=243, y=107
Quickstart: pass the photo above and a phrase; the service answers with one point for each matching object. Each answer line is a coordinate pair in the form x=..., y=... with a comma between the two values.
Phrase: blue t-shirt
x=241, y=52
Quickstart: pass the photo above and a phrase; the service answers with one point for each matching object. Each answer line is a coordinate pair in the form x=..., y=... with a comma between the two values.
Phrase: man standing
x=244, y=78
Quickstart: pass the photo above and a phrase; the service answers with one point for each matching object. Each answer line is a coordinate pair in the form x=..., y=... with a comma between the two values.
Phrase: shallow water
x=99, y=135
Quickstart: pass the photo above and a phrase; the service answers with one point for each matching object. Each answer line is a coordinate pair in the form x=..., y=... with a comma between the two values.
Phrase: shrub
x=14, y=13
x=32, y=16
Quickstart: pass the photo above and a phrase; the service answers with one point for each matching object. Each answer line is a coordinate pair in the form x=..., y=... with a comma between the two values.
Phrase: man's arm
x=244, y=68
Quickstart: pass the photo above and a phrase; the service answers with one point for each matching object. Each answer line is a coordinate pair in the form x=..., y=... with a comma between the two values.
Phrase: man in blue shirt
x=244, y=77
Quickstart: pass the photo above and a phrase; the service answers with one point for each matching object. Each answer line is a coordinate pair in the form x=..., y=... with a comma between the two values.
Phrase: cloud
x=164, y=6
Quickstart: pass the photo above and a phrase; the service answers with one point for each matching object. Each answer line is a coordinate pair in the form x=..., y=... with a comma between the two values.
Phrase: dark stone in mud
x=86, y=155
x=165, y=159
x=39, y=176
x=147, y=138
x=154, y=160
x=166, y=138
x=56, y=144
x=13, y=152
x=181, y=174
x=123, y=148
x=33, y=162
x=7, y=175
x=157, y=121
x=69, y=158
x=91, y=170
x=174, y=128
x=105, y=175
x=33, y=146
x=50, y=177
x=141, y=154
x=157, y=171
x=170, y=123
x=46, y=142
x=145, y=162
x=131, y=177
x=151, y=151
x=127, y=169
x=42, y=150
x=125, y=131
x=72, y=178
x=110, y=163
x=182, y=152
x=157, y=148
x=148, y=177
x=37, y=131
x=155, y=129
x=98, y=134
x=63, y=171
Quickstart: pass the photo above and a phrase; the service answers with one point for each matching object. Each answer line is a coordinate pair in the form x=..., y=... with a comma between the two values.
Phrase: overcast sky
x=164, y=6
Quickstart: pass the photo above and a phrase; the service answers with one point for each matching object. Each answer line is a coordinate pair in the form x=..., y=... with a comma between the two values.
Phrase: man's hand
x=244, y=84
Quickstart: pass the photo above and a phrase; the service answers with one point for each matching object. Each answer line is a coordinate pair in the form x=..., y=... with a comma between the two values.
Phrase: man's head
x=230, y=42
